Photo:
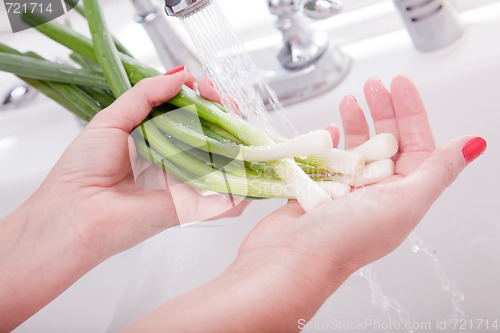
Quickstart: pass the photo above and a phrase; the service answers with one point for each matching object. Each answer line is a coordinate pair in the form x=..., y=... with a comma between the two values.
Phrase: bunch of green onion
x=193, y=139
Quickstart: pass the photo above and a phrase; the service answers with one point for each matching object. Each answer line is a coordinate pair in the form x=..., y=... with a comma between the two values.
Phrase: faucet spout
x=170, y=48
x=182, y=8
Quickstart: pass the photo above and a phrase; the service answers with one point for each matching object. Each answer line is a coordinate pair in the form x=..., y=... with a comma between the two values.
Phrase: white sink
x=460, y=87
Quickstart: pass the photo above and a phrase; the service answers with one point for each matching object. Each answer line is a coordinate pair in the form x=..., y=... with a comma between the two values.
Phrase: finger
x=334, y=133
x=414, y=129
x=356, y=129
x=237, y=210
x=132, y=150
x=381, y=108
x=207, y=90
x=135, y=161
x=185, y=203
x=132, y=108
x=441, y=169
x=210, y=207
x=149, y=177
x=190, y=80
x=192, y=205
x=412, y=196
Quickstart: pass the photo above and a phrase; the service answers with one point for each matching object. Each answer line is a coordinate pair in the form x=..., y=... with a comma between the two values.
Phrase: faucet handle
x=282, y=8
x=315, y=9
x=321, y=9
x=303, y=45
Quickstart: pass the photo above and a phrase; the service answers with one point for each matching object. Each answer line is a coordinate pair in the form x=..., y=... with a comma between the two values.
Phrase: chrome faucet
x=182, y=8
x=306, y=65
x=303, y=46
x=309, y=62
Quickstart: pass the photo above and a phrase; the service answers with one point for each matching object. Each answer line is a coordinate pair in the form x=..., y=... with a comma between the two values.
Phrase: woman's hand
x=346, y=234
x=370, y=222
x=292, y=261
x=110, y=208
x=91, y=206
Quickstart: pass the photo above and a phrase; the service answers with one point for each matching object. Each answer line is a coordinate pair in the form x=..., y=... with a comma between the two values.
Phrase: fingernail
x=473, y=149
x=351, y=98
x=175, y=70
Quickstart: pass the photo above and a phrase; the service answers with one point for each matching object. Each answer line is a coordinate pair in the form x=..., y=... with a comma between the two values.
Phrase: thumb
x=444, y=165
x=130, y=109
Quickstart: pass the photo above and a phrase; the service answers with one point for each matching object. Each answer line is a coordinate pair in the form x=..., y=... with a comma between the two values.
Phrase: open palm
x=371, y=221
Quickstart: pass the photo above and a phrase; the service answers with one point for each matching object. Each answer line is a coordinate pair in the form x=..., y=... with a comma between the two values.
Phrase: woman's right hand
x=371, y=221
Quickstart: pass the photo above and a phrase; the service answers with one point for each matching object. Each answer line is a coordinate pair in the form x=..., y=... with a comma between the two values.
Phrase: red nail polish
x=473, y=149
x=175, y=70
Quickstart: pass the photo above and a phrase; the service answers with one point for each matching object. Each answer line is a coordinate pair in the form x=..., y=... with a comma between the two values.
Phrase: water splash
x=457, y=297
x=226, y=61
x=392, y=309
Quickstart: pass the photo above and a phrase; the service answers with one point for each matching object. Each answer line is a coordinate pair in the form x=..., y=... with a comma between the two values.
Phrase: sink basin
x=460, y=87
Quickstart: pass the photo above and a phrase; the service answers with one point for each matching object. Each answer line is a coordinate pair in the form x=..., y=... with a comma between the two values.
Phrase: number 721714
x=25, y=8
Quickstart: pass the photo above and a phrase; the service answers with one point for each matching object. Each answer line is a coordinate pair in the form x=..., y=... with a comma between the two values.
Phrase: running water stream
x=234, y=74
x=392, y=309
x=457, y=297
